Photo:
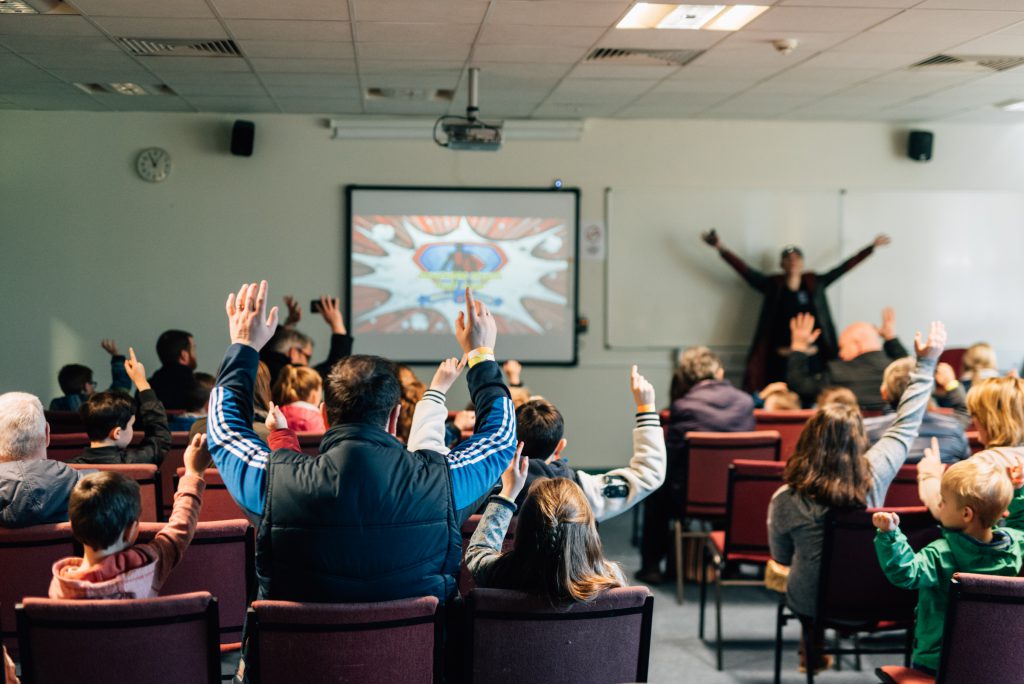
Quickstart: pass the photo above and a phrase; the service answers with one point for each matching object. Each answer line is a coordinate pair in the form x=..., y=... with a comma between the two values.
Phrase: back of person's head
x=22, y=427
x=997, y=406
x=199, y=395
x=858, y=338
x=170, y=344
x=296, y=383
x=557, y=552
x=104, y=411
x=539, y=426
x=782, y=400
x=102, y=506
x=981, y=485
x=837, y=395
x=290, y=338
x=362, y=389
x=73, y=378
x=896, y=379
x=696, y=364
x=828, y=464
x=412, y=391
x=261, y=395
x=979, y=358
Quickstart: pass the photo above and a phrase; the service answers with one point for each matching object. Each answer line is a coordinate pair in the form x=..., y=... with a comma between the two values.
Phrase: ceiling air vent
x=971, y=63
x=179, y=47
x=643, y=57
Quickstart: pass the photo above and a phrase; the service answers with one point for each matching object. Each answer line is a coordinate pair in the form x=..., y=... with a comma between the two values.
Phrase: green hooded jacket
x=931, y=569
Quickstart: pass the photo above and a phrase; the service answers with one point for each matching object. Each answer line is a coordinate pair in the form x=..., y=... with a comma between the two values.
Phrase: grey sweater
x=796, y=529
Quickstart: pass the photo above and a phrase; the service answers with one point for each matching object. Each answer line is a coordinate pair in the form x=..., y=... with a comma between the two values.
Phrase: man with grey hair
x=33, y=489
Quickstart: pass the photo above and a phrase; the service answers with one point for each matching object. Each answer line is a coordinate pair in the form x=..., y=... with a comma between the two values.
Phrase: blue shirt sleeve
x=237, y=451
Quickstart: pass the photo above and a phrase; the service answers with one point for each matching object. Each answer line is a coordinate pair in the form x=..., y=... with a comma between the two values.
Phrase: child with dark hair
x=110, y=419
x=104, y=513
x=77, y=384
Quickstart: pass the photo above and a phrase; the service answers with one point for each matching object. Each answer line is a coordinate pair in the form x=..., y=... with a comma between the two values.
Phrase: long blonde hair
x=557, y=552
x=997, y=406
x=296, y=383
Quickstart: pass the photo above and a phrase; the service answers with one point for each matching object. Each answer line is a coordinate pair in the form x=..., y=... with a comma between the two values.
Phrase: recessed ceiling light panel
x=647, y=15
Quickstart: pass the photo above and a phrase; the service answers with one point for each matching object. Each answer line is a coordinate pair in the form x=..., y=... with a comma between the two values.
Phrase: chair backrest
x=751, y=487
x=148, y=477
x=66, y=446
x=789, y=425
x=515, y=638
x=174, y=459
x=27, y=556
x=466, y=583
x=851, y=585
x=663, y=416
x=706, y=458
x=903, y=489
x=62, y=422
x=218, y=504
x=220, y=560
x=309, y=442
x=158, y=640
x=370, y=643
x=954, y=356
x=985, y=616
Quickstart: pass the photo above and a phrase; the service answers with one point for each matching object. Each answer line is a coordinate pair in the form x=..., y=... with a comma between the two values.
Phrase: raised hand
x=711, y=238
x=514, y=478
x=932, y=348
x=931, y=464
x=197, y=456
x=294, y=311
x=887, y=330
x=275, y=419
x=331, y=312
x=643, y=391
x=802, y=332
x=110, y=346
x=248, y=321
x=513, y=371
x=881, y=240
x=447, y=373
x=475, y=327
x=886, y=522
x=136, y=371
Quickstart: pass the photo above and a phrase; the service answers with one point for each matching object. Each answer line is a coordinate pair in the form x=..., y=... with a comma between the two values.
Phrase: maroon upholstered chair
x=309, y=442
x=789, y=425
x=466, y=583
x=66, y=446
x=220, y=560
x=903, y=490
x=705, y=463
x=63, y=422
x=978, y=604
x=745, y=537
x=174, y=459
x=515, y=638
x=369, y=643
x=27, y=556
x=954, y=356
x=150, y=488
x=157, y=641
x=854, y=596
x=218, y=504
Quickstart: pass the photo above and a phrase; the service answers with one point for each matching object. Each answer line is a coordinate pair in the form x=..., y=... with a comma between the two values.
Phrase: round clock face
x=153, y=164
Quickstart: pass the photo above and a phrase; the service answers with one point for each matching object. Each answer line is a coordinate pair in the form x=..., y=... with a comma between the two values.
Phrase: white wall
x=90, y=251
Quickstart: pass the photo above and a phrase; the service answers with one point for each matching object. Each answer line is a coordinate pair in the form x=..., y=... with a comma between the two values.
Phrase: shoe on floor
x=650, y=576
x=823, y=664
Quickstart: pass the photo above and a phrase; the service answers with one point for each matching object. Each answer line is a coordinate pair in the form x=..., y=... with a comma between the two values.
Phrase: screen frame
x=347, y=286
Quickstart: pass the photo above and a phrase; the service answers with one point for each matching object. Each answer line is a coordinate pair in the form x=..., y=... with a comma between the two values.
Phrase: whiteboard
x=957, y=256
x=667, y=289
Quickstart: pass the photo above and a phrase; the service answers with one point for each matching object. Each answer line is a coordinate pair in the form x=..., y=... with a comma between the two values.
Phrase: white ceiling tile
x=104, y=60
x=714, y=86
x=134, y=8
x=77, y=45
x=897, y=4
x=622, y=71
x=1005, y=5
x=956, y=24
x=686, y=100
x=595, y=89
x=74, y=74
x=659, y=111
x=810, y=42
x=807, y=73
x=46, y=25
x=773, y=87
x=514, y=34
x=234, y=105
x=325, y=80
x=380, y=32
x=434, y=51
x=556, y=110
x=697, y=71
x=146, y=103
x=69, y=102
x=825, y=19
x=660, y=39
x=834, y=60
x=163, y=65
x=267, y=29
x=54, y=87
x=528, y=53
x=309, y=10
x=297, y=49
x=320, y=105
x=510, y=109
x=224, y=89
x=432, y=108
x=313, y=66
x=993, y=44
x=412, y=79
x=371, y=66
x=162, y=28
x=557, y=12
x=209, y=76
x=884, y=42
x=753, y=58
x=434, y=11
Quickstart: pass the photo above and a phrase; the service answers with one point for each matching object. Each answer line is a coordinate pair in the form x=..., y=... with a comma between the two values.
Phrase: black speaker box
x=243, y=134
x=919, y=145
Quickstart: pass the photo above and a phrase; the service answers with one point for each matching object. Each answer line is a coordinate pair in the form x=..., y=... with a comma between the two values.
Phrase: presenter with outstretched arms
x=787, y=294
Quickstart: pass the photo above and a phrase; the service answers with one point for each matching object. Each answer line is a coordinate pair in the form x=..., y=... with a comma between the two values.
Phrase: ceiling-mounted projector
x=469, y=132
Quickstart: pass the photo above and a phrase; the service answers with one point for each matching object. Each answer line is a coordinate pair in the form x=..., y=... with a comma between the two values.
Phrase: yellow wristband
x=479, y=355
x=645, y=408
x=952, y=386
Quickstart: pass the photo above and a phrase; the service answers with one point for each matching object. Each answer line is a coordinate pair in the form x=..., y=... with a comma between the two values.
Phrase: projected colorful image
x=409, y=273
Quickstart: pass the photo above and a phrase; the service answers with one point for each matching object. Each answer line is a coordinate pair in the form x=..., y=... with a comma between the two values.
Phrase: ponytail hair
x=296, y=383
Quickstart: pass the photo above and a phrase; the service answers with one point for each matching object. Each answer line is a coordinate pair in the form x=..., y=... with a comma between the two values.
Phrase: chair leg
x=839, y=658
x=810, y=650
x=679, y=561
x=908, y=648
x=703, y=593
x=718, y=616
x=856, y=656
x=779, y=622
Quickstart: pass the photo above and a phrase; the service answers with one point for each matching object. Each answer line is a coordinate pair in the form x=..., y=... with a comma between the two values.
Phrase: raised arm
x=428, y=419
x=157, y=439
x=826, y=279
x=901, y=566
x=485, y=544
x=238, y=452
x=341, y=341
x=119, y=380
x=756, y=279
x=799, y=376
x=170, y=543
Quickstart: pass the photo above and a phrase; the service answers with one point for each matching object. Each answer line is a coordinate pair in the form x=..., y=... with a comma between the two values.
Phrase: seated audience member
x=312, y=512
x=974, y=496
x=412, y=392
x=174, y=381
x=831, y=469
x=33, y=489
x=261, y=403
x=77, y=384
x=837, y=395
x=978, y=363
x=948, y=430
x=110, y=419
x=861, y=363
x=997, y=407
x=540, y=430
x=777, y=397
x=514, y=373
x=288, y=346
x=104, y=512
x=557, y=552
x=298, y=393
x=182, y=422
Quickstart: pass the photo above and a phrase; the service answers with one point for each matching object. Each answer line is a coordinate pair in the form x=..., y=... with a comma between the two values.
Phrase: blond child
x=299, y=392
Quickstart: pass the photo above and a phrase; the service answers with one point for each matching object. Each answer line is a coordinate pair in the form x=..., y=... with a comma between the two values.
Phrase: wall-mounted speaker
x=243, y=134
x=919, y=145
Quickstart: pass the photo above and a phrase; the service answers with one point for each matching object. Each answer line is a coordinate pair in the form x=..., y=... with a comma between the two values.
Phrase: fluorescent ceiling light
x=1012, y=106
x=128, y=89
x=647, y=15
